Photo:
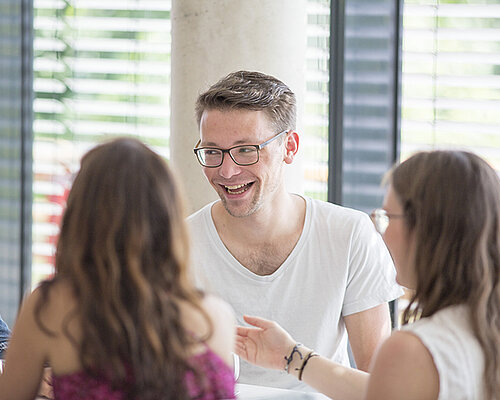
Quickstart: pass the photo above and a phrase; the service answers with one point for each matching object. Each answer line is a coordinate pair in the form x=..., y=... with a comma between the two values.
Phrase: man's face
x=243, y=189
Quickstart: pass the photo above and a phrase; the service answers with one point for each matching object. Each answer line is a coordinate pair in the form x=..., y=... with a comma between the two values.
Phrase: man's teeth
x=234, y=188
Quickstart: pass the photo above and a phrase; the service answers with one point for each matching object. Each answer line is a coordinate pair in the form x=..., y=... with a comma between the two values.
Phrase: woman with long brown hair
x=441, y=223
x=121, y=318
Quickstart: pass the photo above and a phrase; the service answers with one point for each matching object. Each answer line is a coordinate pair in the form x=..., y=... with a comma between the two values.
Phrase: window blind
x=314, y=147
x=369, y=101
x=15, y=153
x=102, y=69
x=451, y=77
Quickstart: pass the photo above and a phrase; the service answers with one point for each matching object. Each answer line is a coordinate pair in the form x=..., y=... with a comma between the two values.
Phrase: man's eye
x=209, y=152
x=246, y=150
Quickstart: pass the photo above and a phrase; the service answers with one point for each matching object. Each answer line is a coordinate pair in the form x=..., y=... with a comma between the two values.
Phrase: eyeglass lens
x=243, y=155
x=380, y=220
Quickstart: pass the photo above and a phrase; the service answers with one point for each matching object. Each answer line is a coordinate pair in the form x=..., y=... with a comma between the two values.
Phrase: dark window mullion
x=26, y=146
x=336, y=102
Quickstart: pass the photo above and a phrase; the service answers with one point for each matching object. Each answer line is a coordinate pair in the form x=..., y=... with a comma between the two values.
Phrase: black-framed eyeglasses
x=381, y=219
x=247, y=154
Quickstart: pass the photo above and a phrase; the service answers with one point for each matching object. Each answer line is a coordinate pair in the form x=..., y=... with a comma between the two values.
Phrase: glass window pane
x=102, y=69
x=451, y=77
x=15, y=158
x=314, y=147
x=370, y=106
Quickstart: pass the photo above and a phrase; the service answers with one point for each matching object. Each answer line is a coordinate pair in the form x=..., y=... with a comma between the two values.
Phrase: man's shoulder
x=325, y=212
x=199, y=215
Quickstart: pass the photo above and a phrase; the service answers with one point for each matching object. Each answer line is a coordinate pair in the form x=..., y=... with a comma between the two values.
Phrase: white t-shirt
x=338, y=267
x=456, y=353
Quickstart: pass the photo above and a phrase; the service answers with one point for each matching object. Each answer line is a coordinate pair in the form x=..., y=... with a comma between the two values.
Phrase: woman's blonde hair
x=451, y=200
x=123, y=247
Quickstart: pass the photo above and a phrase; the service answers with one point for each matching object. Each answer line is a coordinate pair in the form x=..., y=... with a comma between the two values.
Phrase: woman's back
x=70, y=381
x=219, y=380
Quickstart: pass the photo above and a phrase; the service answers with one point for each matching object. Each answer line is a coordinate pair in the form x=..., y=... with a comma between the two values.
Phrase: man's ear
x=291, y=146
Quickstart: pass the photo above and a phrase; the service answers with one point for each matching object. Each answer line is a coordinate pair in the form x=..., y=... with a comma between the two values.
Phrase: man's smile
x=237, y=189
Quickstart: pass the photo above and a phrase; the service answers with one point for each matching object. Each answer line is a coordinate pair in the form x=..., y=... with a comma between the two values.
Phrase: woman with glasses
x=121, y=318
x=441, y=223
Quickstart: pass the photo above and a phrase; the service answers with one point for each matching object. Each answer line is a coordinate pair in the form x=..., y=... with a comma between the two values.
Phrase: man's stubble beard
x=255, y=203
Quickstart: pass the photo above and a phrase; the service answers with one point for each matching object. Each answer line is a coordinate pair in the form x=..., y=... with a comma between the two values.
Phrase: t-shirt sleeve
x=371, y=278
x=201, y=248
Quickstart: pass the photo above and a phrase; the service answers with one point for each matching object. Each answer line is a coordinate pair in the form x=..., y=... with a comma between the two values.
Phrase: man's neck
x=273, y=220
x=262, y=241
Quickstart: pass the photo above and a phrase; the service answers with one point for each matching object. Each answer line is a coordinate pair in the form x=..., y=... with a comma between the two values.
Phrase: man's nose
x=228, y=167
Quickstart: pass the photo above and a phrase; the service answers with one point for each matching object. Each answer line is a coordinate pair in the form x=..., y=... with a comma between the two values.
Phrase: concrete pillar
x=213, y=38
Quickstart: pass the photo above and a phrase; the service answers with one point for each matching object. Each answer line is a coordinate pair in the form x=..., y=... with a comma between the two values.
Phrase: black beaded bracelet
x=309, y=356
x=290, y=357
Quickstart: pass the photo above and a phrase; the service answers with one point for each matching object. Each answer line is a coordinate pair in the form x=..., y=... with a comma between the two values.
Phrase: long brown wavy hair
x=451, y=200
x=123, y=247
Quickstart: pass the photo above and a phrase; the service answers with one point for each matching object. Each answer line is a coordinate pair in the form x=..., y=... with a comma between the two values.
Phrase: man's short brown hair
x=254, y=91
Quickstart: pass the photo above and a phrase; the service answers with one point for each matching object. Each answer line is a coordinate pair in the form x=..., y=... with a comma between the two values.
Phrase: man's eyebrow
x=237, y=143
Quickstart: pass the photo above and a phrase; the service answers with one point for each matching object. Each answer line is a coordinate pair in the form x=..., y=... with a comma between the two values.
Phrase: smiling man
x=318, y=269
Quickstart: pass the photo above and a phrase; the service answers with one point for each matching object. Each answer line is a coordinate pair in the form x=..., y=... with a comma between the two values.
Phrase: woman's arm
x=269, y=346
x=25, y=356
x=403, y=369
x=224, y=325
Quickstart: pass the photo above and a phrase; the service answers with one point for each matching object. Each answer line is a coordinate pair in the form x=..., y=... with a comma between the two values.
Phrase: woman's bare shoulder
x=224, y=327
x=217, y=308
x=219, y=328
x=403, y=368
x=51, y=304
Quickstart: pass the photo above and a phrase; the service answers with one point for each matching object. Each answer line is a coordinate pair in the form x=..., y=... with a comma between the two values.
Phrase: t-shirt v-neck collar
x=220, y=246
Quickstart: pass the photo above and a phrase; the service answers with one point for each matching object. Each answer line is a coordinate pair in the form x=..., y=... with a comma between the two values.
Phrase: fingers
x=242, y=331
x=258, y=322
x=241, y=340
x=240, y=348
x=245, y=348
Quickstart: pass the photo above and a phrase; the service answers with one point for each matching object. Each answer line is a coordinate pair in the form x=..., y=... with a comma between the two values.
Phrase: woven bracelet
x=290, y=357
x=309, y=356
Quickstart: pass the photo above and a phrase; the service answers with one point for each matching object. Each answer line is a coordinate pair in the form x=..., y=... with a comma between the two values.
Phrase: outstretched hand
x=265, y=345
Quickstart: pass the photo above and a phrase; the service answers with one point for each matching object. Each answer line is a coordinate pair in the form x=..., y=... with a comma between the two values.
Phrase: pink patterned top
x=81, y=386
